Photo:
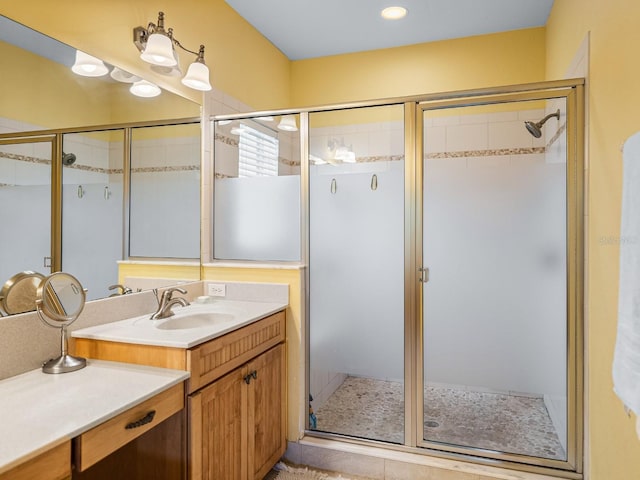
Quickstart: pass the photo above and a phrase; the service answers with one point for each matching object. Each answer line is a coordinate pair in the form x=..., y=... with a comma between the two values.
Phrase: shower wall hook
x=80, y=191
x=107, y=193
x=374, y=182
x=334, y=185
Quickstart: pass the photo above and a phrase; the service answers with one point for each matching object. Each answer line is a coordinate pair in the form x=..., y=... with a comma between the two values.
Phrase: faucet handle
x=123, y=290
x=167, y=294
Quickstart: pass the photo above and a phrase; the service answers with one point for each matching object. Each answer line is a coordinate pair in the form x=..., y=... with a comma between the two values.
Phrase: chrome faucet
x=166, y=302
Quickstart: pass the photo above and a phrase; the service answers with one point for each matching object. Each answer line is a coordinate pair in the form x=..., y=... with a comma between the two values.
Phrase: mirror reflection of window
x=165, y=192
x=257, y=190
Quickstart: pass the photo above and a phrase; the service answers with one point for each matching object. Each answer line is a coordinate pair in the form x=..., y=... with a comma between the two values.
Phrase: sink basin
x=194, y=320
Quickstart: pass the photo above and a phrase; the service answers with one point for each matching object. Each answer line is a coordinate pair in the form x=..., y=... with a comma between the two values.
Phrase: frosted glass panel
x=258, y=218
x=356, y=272
x=165, y=192
x=495, y=305
x=256, y=191
x=25, y=194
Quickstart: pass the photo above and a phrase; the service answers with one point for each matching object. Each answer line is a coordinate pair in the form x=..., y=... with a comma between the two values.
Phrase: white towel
x=626, y=359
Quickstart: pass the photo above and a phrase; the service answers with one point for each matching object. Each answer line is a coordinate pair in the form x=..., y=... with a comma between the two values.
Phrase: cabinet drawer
x=97, y=443
x=54, y=464
x=216, y=358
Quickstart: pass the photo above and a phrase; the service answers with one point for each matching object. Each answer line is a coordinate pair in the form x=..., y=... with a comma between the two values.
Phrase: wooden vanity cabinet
x=238, y=421
x=236, y=396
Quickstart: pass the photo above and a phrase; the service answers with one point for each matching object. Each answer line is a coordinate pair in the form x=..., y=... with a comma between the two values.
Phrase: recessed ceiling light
x=393, y=13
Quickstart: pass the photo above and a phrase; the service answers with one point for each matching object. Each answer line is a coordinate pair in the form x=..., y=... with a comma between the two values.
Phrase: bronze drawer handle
x=247, y=378
x=148, y=418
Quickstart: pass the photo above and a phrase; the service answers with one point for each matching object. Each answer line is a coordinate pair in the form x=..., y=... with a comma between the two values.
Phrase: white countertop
x=39, y=411
x=226, y=316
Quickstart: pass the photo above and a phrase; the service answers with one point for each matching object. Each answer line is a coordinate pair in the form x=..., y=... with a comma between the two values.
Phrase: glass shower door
x=356, y=273
x=494, y=231
x=25, y=196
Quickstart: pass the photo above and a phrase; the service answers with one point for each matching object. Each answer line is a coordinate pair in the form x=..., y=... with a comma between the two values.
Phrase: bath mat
x=284, y=472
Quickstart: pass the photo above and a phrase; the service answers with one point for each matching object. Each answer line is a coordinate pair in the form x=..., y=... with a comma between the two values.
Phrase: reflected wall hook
x=374, y=182
x=80, y=191
x=334, y=185
x=107, y=193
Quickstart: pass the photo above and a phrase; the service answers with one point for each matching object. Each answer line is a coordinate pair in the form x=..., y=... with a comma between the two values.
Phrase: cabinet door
x=267, y=421
x=218, y=441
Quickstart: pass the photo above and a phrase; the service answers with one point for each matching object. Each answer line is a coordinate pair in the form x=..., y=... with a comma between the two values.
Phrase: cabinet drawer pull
x=148, y=418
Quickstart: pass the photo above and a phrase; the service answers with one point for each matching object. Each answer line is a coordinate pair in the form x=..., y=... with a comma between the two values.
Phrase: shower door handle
x=424, y=274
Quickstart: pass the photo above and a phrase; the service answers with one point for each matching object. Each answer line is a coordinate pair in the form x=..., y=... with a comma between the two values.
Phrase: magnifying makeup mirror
x=59, y=300
x=19, y=292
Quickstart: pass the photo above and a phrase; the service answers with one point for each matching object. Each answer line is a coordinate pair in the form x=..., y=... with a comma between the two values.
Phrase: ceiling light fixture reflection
x=288, y=123
x=88, y=66
x=316, y=160
x=393, y=13
x=145, y=89
x=267, y=118
x=125, y=77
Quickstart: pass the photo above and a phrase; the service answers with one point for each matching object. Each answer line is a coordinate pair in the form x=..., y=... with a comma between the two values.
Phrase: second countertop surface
x=39, y=411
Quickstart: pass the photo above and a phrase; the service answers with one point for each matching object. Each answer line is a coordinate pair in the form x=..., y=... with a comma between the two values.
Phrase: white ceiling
x=317, y=28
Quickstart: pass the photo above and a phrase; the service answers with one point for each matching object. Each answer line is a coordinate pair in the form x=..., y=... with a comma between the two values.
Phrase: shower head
x=68, y=158
x=535, y=129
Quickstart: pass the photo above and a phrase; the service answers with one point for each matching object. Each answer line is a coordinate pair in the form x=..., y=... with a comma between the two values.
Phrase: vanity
x=55, y=424
x=235, y=395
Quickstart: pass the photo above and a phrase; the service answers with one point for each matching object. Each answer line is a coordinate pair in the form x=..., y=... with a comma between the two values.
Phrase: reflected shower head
x=535, y=129
x=68, y=158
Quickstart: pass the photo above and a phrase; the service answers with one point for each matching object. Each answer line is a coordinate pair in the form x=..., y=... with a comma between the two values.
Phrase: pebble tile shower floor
x=374, y=409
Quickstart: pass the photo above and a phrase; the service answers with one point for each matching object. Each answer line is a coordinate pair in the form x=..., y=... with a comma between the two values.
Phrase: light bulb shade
x=197, y=77
x=88, y=66
x=288, y=123
x=159, y=51
x=145, y=89
x=125, y=77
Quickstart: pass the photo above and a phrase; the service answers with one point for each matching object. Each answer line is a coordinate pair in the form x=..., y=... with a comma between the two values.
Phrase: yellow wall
x=61, y=101
x=242, y=62
x=44, y=93
x=466, y=63
x=614, y=101
x=295, y=339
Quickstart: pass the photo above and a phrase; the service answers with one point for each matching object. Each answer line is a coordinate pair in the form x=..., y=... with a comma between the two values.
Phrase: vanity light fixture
x=157, y=47
x=143, y=88
x=288, y=123
x=88, y=66
x=393, y=13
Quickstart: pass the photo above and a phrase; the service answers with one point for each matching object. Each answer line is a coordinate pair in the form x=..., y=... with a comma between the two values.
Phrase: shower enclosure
x=443, y=240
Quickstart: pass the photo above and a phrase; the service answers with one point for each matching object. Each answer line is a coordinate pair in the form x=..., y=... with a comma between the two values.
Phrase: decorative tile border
x=234, y=142
x=24, y=158
x=107, y=171
x=557, y=135
x=497, y=152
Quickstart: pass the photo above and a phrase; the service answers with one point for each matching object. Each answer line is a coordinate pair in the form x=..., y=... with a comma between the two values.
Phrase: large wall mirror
x=39, y=92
